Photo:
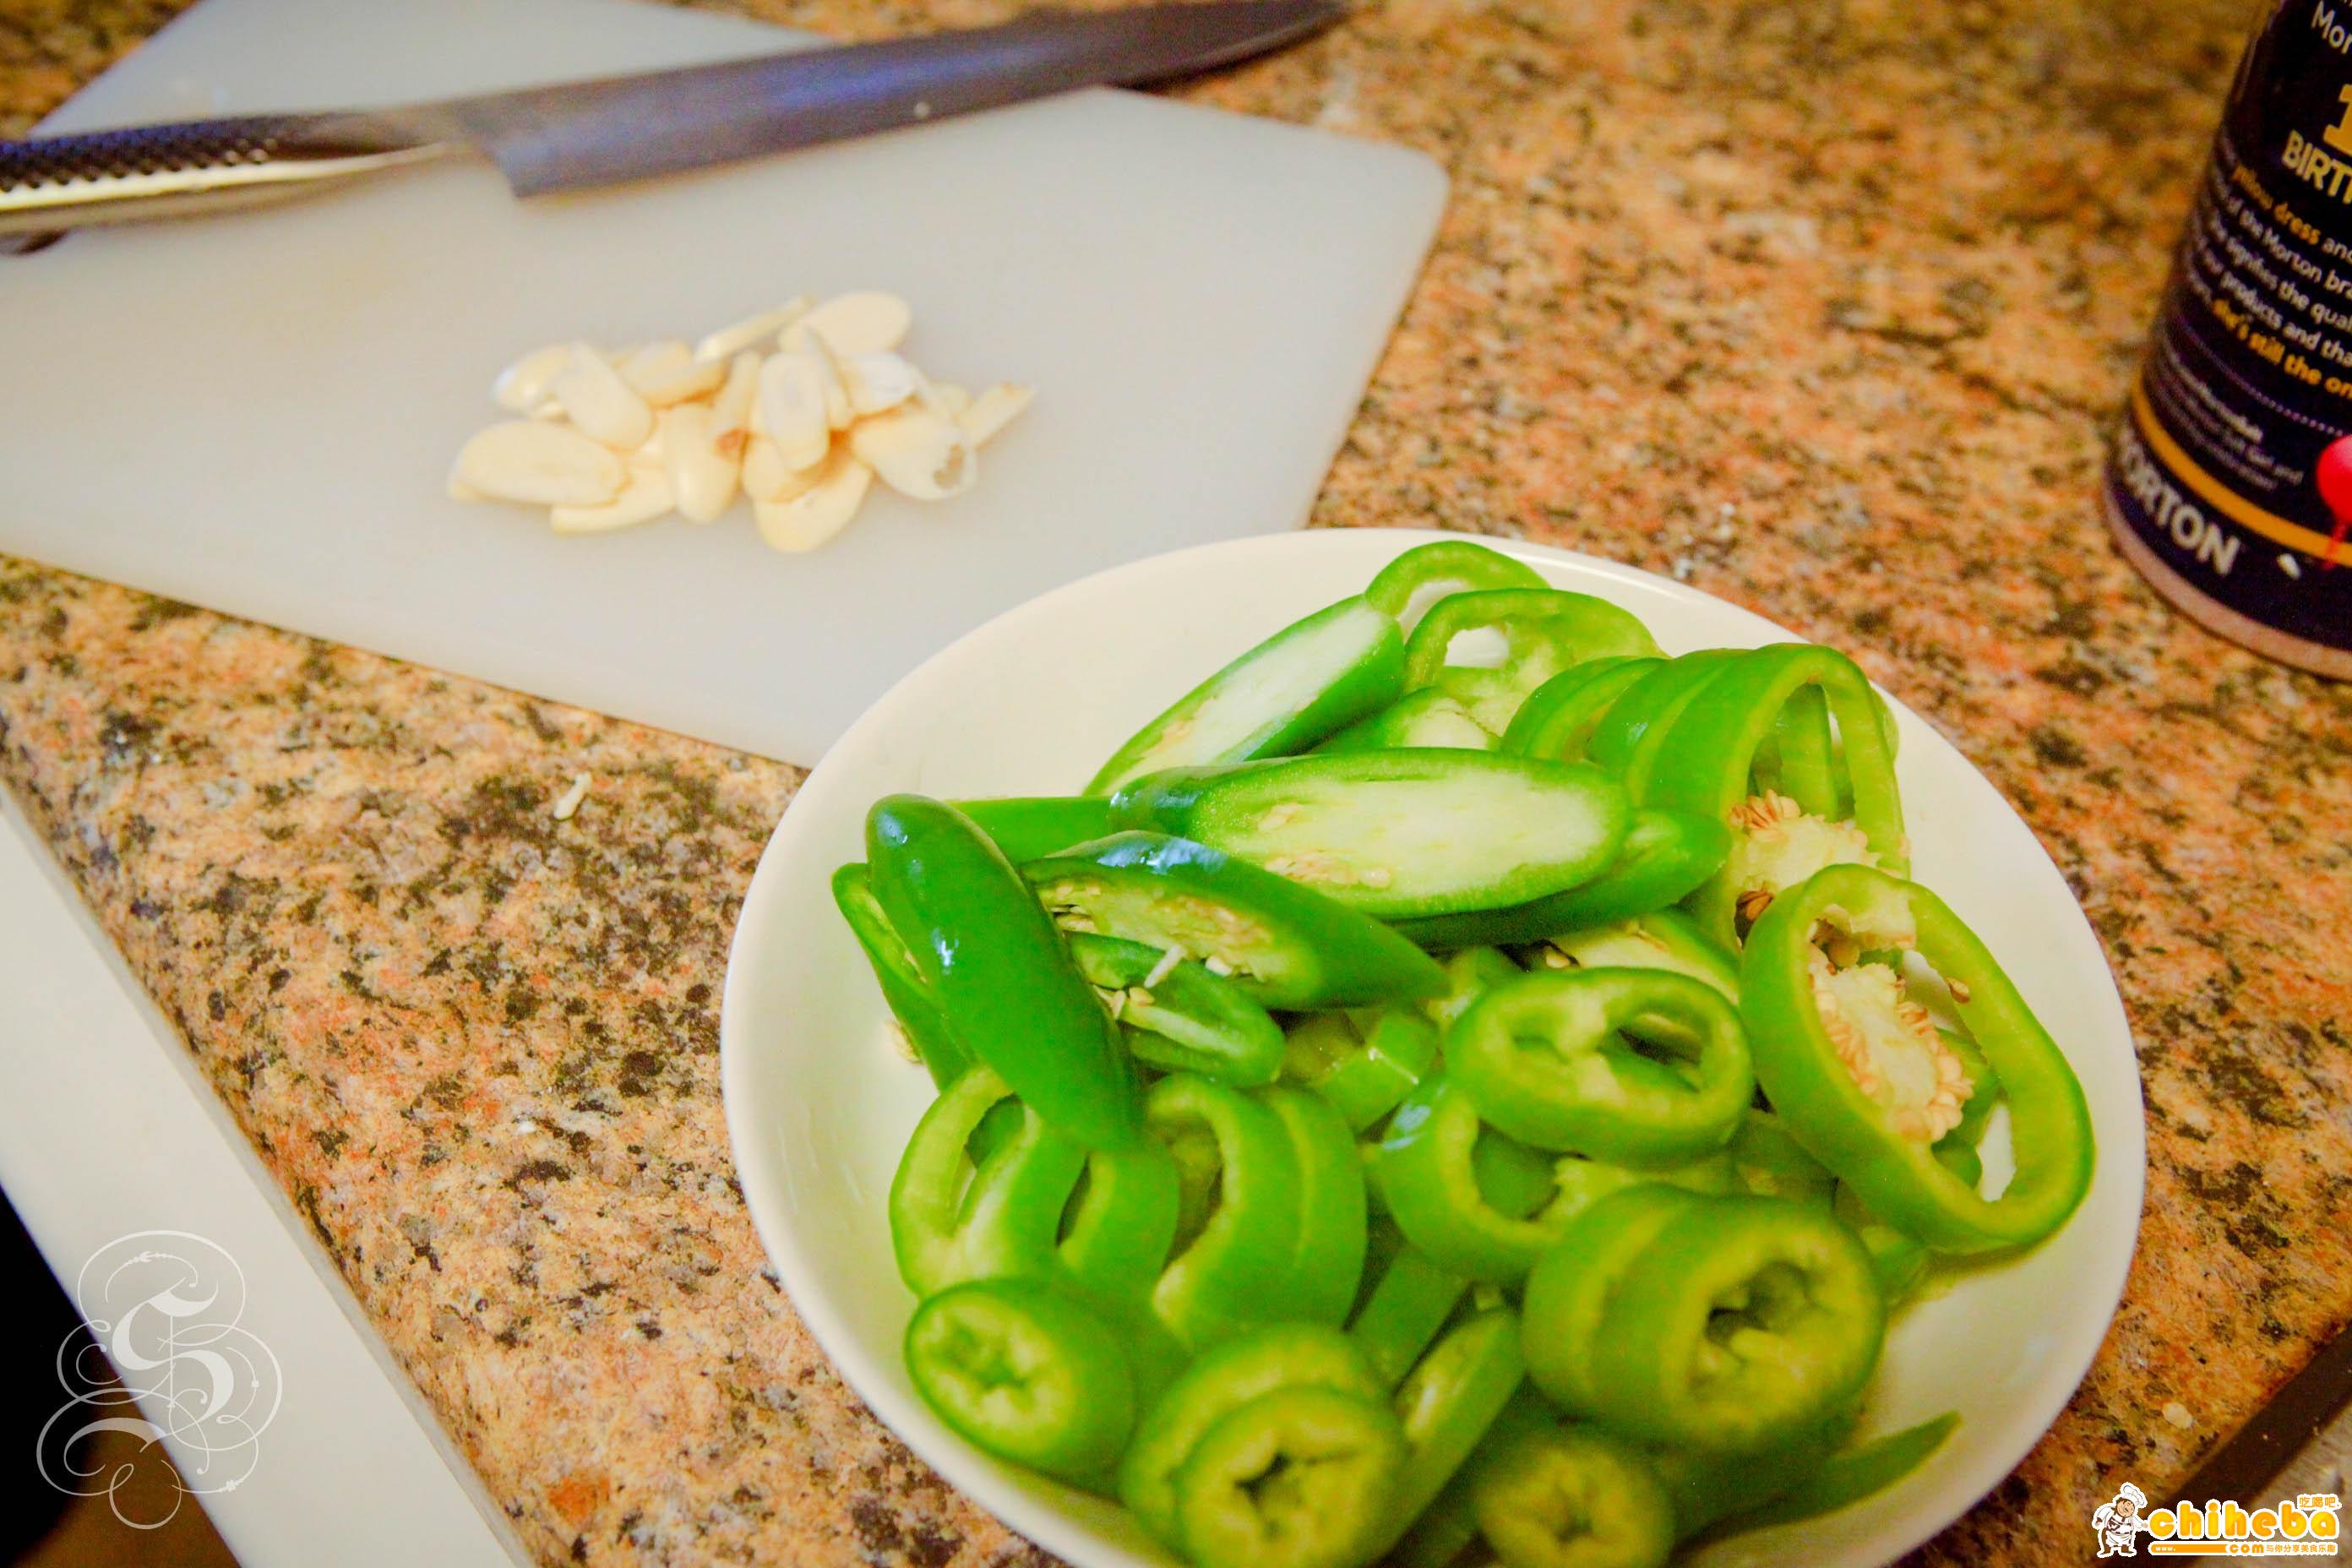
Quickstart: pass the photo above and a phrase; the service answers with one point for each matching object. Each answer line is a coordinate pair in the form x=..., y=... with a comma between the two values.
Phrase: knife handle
x=165, y=171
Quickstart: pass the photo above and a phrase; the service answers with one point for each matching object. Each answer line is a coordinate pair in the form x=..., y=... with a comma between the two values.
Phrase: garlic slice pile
x=799, y=409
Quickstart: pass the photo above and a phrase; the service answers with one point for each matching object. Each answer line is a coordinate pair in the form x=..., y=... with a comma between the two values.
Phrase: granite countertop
x=1821, y=308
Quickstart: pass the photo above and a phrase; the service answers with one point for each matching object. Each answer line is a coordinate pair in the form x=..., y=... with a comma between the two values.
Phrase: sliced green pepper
x=1116, y=1232
x=1182, y=1018
x=1446, y=1530
x=1026, y=1373
x=903, y=991
x=1897, y=1262
x=1627, y=739
x=1400, y=1050
x=999, y=1127
x=1470, y=974
x=1799, y=760
x=1427, y=718
x=1847, y=1477
x=998, y=970
x=1866, y=1141
x=1559, y=716
x=1550, y=1495
x=1238, y=1234
x=1286, y=945
x=1405, y=1310
x=1006, y=1219
x=1533, y=1056
x=1706, y=762
x=1013, y=1215
x=1428, y=1175
x=1400, y=833
x=1770, y=1161
x=1662, y=939
x=1307, y=681
x=1544, y=631
x=1569, y=1290
x=1709, y=1487
x=1364, y=1078
x=1747, y=1323
x=1479, y=1204
x=1447, y=1405
x=1028, y=827
x=1665, y=854
x=1962, y=1160
x=1984, y=1096
x=1221, y=1380
x=1407, y=586
x=1299, y=1478
x=1328, y=1261
x=1513, y=1178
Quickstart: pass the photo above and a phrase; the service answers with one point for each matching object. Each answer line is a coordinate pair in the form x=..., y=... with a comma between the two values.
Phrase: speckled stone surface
x=1819, y=307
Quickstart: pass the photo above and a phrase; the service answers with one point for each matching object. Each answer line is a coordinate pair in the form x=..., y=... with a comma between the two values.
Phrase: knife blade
x=2257, y=1454
x=583, y=133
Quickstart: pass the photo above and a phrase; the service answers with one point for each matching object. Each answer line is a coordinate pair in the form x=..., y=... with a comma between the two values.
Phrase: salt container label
x=2232, y=467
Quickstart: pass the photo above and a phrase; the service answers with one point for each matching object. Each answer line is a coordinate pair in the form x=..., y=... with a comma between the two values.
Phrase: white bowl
x=818, y=1106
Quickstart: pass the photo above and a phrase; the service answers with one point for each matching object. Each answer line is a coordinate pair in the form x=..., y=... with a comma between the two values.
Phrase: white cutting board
x=256, y=413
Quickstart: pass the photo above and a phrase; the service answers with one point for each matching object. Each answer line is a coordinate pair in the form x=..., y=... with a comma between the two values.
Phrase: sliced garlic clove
x=993, y=409
x=601, y=403
x=917, y=451
x=951, y=399
x=878, y=383
x=655, y=358
x=645, y=497
x=808, y=520
x=539, y=463
x=696, y=380
x=732, y=408
x=791, y=409
x=868, y=322
x=732, y=338
x=765, y=476
x=837, y=411
x=668, y=372
x=523, y=386
x=703, y=476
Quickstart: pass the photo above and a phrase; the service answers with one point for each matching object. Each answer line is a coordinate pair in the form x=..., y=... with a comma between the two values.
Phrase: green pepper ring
x=1452, y=565
x=1221, y=1380
x=1569, y=1096
x=1900, y=1180
x=1426, y=1171
x=1297, y=1477
x=1814, y=1323
x=1068, y=1406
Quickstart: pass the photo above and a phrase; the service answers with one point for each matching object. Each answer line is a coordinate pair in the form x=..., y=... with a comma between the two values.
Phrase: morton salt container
x=2231, y=483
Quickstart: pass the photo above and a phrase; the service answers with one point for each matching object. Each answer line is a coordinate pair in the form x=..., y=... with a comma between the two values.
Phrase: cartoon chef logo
x=2308, y=1524
x=2118, y=1522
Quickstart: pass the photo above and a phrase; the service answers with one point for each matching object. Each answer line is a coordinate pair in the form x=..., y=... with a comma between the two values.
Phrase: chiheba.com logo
x=2305, y=1527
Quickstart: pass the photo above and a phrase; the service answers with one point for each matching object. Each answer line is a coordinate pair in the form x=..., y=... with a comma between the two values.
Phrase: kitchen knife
x=2248, y=1466
x=574, y=134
